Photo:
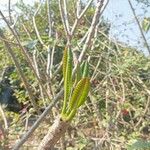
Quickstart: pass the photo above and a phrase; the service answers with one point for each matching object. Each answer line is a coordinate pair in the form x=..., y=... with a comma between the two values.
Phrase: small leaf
x=85, y=69
x=84, y=93
x=64, y=62
x=76, y=93
x=71, y=115
x=82, y=66
x=68, y=74
x=78, y=74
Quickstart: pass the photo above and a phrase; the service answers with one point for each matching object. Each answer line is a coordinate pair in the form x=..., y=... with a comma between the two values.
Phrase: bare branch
x=37, y=123
x=95, y=20
x=66, y=17
x=35, y=26
x=27, y=86
x=4, y=117
x=140, y=28
x=25, y=53
x=63, y=17
x=78, y=7
x=80, y=16
x=49, y=13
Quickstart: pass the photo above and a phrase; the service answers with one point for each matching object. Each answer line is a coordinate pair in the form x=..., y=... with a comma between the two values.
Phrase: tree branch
x=140, y=28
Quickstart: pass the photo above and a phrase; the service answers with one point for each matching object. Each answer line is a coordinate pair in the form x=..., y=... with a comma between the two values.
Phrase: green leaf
x=76, y=94
x=64, y=62
x=78, y=74
x=85, y=69
x=71, y=115
x=67, y=73
x=84, y=93
x=79, y=94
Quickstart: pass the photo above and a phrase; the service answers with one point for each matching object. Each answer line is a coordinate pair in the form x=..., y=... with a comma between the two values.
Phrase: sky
x=123, y=24
x=119, y=14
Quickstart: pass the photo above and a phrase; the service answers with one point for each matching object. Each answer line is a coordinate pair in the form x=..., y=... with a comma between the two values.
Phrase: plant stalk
x=56, y=131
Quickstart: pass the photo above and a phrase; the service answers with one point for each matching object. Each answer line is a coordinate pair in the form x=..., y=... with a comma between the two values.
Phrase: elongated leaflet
x=77, y=93
x=84, y=94
x=85, y=70
x=64, y=62
x=71, y=115
x=78, y=74
x=67, y=71
x=64, y=76
x=82, y=67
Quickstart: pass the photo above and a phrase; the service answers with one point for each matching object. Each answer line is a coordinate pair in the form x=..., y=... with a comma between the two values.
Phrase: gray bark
x=56, y=131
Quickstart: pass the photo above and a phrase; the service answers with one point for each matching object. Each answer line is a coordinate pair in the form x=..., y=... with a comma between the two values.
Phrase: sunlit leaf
x=67, y=73
x=84, y=93
x=76, y=93
x=85, y=69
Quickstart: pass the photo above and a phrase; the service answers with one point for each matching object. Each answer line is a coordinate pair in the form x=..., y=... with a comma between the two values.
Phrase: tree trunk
x=56, y=131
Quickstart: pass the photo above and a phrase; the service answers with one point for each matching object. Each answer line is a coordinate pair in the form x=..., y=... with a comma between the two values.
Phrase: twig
x=144, y=112
x=27, y=86
x=25, y=54
x=35, y=63
x=37, y=123
x=49, y=13
x=9, y=12
x=35, y=26
x=95, y=20
x=79, y=17
x=140, y=28
x=78, y=7
x=64, y=18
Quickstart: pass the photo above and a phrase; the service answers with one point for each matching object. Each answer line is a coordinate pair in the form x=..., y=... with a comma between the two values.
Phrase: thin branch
x=66, y=17
x=52, y=55
x=36, y=64
x=27, y=57
x=48, y=60
x=95, y=20
x=49, y=13
x=140, y=28
x=80, y=17
x=35, y=26
x=67, y=30
x=27, y=86
x=85, y=9
x=4, y=117
x=78, y=7
x=9, y=12
x=37, y=123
